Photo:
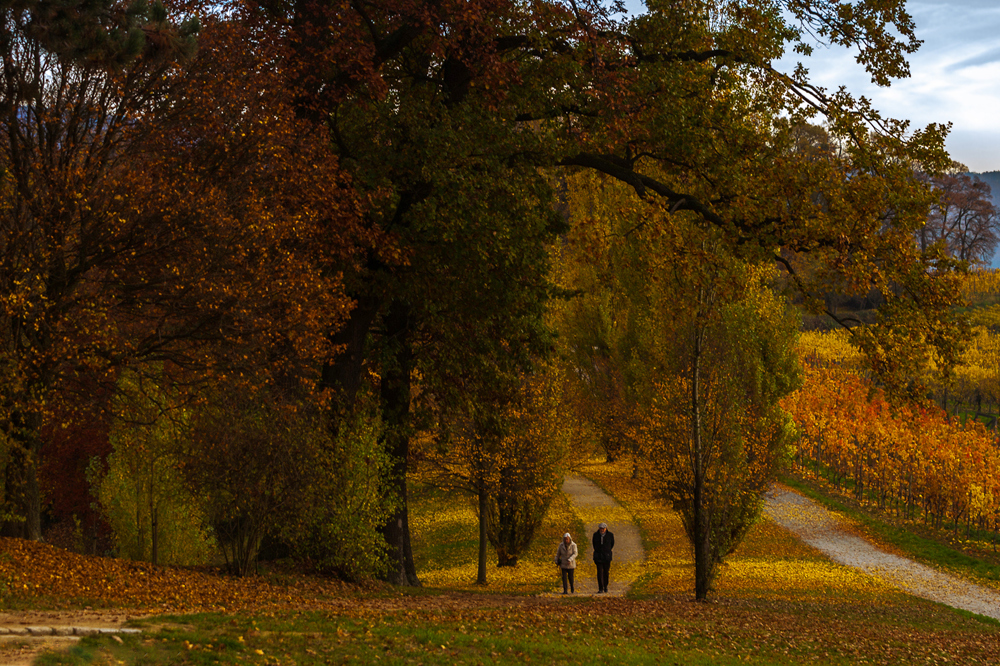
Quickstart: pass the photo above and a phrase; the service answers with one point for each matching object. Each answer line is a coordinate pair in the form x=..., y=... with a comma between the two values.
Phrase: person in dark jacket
x=604, y=542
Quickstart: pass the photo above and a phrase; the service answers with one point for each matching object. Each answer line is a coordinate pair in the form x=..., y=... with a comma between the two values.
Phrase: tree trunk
x=344, y=375
x=483, y=542
x=702, y=553
x=21, y=477
x=345, y=372
x=395, y=395
x=155, y=554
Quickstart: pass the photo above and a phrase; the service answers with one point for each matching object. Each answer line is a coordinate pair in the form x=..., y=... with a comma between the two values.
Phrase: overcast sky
x=954, y=77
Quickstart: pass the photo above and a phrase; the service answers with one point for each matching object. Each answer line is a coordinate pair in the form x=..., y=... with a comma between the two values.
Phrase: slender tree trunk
x=155, y=557
x=395, y=394
x=702, y=553
x=483, y=541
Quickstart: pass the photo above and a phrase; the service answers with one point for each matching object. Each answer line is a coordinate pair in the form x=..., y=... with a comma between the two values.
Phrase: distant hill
x=991, y=178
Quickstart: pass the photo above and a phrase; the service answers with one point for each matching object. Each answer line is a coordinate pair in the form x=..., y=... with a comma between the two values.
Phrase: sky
x=954, y=77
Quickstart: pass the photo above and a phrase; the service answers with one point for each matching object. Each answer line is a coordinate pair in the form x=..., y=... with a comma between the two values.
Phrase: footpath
x=808, y=520
x=595, y=506
x=24, y=634
x=819, y=528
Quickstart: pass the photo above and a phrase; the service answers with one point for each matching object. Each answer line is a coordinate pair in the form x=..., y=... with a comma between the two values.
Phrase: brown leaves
x=36, y=572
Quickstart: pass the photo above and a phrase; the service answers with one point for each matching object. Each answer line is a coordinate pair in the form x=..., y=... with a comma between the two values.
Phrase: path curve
x=819, y=528
x=587, y=500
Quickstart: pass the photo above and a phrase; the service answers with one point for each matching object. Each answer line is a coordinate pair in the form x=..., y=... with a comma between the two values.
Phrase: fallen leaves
x=37, y=571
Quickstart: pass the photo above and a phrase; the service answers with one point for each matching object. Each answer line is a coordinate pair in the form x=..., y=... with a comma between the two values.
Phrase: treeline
x=257, y=259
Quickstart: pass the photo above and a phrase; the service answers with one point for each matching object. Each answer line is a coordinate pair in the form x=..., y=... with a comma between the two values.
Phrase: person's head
x=603, y=527
x=567, y=538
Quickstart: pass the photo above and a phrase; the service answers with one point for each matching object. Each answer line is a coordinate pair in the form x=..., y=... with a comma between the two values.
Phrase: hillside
x=991, y=178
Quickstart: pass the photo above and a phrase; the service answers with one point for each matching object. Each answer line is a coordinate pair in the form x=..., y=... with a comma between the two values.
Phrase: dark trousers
x=568, y=576
x=603, y=568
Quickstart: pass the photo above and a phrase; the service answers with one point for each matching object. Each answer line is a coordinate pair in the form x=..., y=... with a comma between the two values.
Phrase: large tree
x=444, y=111
x=71, y=85
x=154, y=208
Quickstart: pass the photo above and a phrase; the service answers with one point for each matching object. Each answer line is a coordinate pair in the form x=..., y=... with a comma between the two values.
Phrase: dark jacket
x=602, y=549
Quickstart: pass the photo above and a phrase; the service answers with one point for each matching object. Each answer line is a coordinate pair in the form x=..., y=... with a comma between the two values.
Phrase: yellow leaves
x=829, y=347
x=795, y=579
x=980, y=284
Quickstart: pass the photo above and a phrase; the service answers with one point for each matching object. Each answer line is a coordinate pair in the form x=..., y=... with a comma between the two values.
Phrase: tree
x=139, y=486
x=713, y=426
x=536, y=449
x=337, y=528
x=507, y=451
x=964, y=219
x=246, y=459
x=444, y=113
x=154, y=212
x=73, y=84
x=708, y=350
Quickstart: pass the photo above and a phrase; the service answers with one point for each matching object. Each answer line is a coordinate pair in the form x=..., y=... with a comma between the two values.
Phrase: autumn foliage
x=282, y=216
x=36, y=571
x=912, y=461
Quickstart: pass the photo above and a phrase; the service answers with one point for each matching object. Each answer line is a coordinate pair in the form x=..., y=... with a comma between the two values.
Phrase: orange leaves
x=31, y=570
x=903, y=458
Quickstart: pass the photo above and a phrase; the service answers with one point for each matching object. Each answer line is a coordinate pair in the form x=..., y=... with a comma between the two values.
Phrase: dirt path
x=594, y=506
x=26, y=634
x=820, y=529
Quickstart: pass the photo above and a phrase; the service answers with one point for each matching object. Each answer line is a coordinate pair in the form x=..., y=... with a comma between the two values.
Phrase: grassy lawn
x=776, y=602
x=445, y=537
x=442, y=629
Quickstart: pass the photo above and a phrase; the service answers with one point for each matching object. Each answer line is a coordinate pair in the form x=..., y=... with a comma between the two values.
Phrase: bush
x=267, y=464
x=140, y=488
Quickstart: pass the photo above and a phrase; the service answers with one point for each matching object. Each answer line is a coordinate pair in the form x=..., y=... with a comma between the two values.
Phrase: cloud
x=985, y=58
x=953, y=77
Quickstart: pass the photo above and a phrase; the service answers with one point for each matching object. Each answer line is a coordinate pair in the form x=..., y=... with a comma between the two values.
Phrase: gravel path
x=589, y=500
x=820, y=529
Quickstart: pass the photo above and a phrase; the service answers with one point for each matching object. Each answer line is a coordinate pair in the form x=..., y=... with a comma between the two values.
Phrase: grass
x=450, y=630
x=776, y=602
x=398, y=638
x=445, y=536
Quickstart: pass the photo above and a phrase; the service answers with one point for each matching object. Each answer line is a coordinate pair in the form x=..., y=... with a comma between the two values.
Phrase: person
x=604, y=543
x=566, y=560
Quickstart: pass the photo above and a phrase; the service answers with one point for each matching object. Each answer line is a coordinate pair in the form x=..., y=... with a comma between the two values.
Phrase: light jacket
x=566, y=555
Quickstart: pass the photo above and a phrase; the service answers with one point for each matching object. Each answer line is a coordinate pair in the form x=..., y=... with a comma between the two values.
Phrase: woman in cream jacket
x=566, y=559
